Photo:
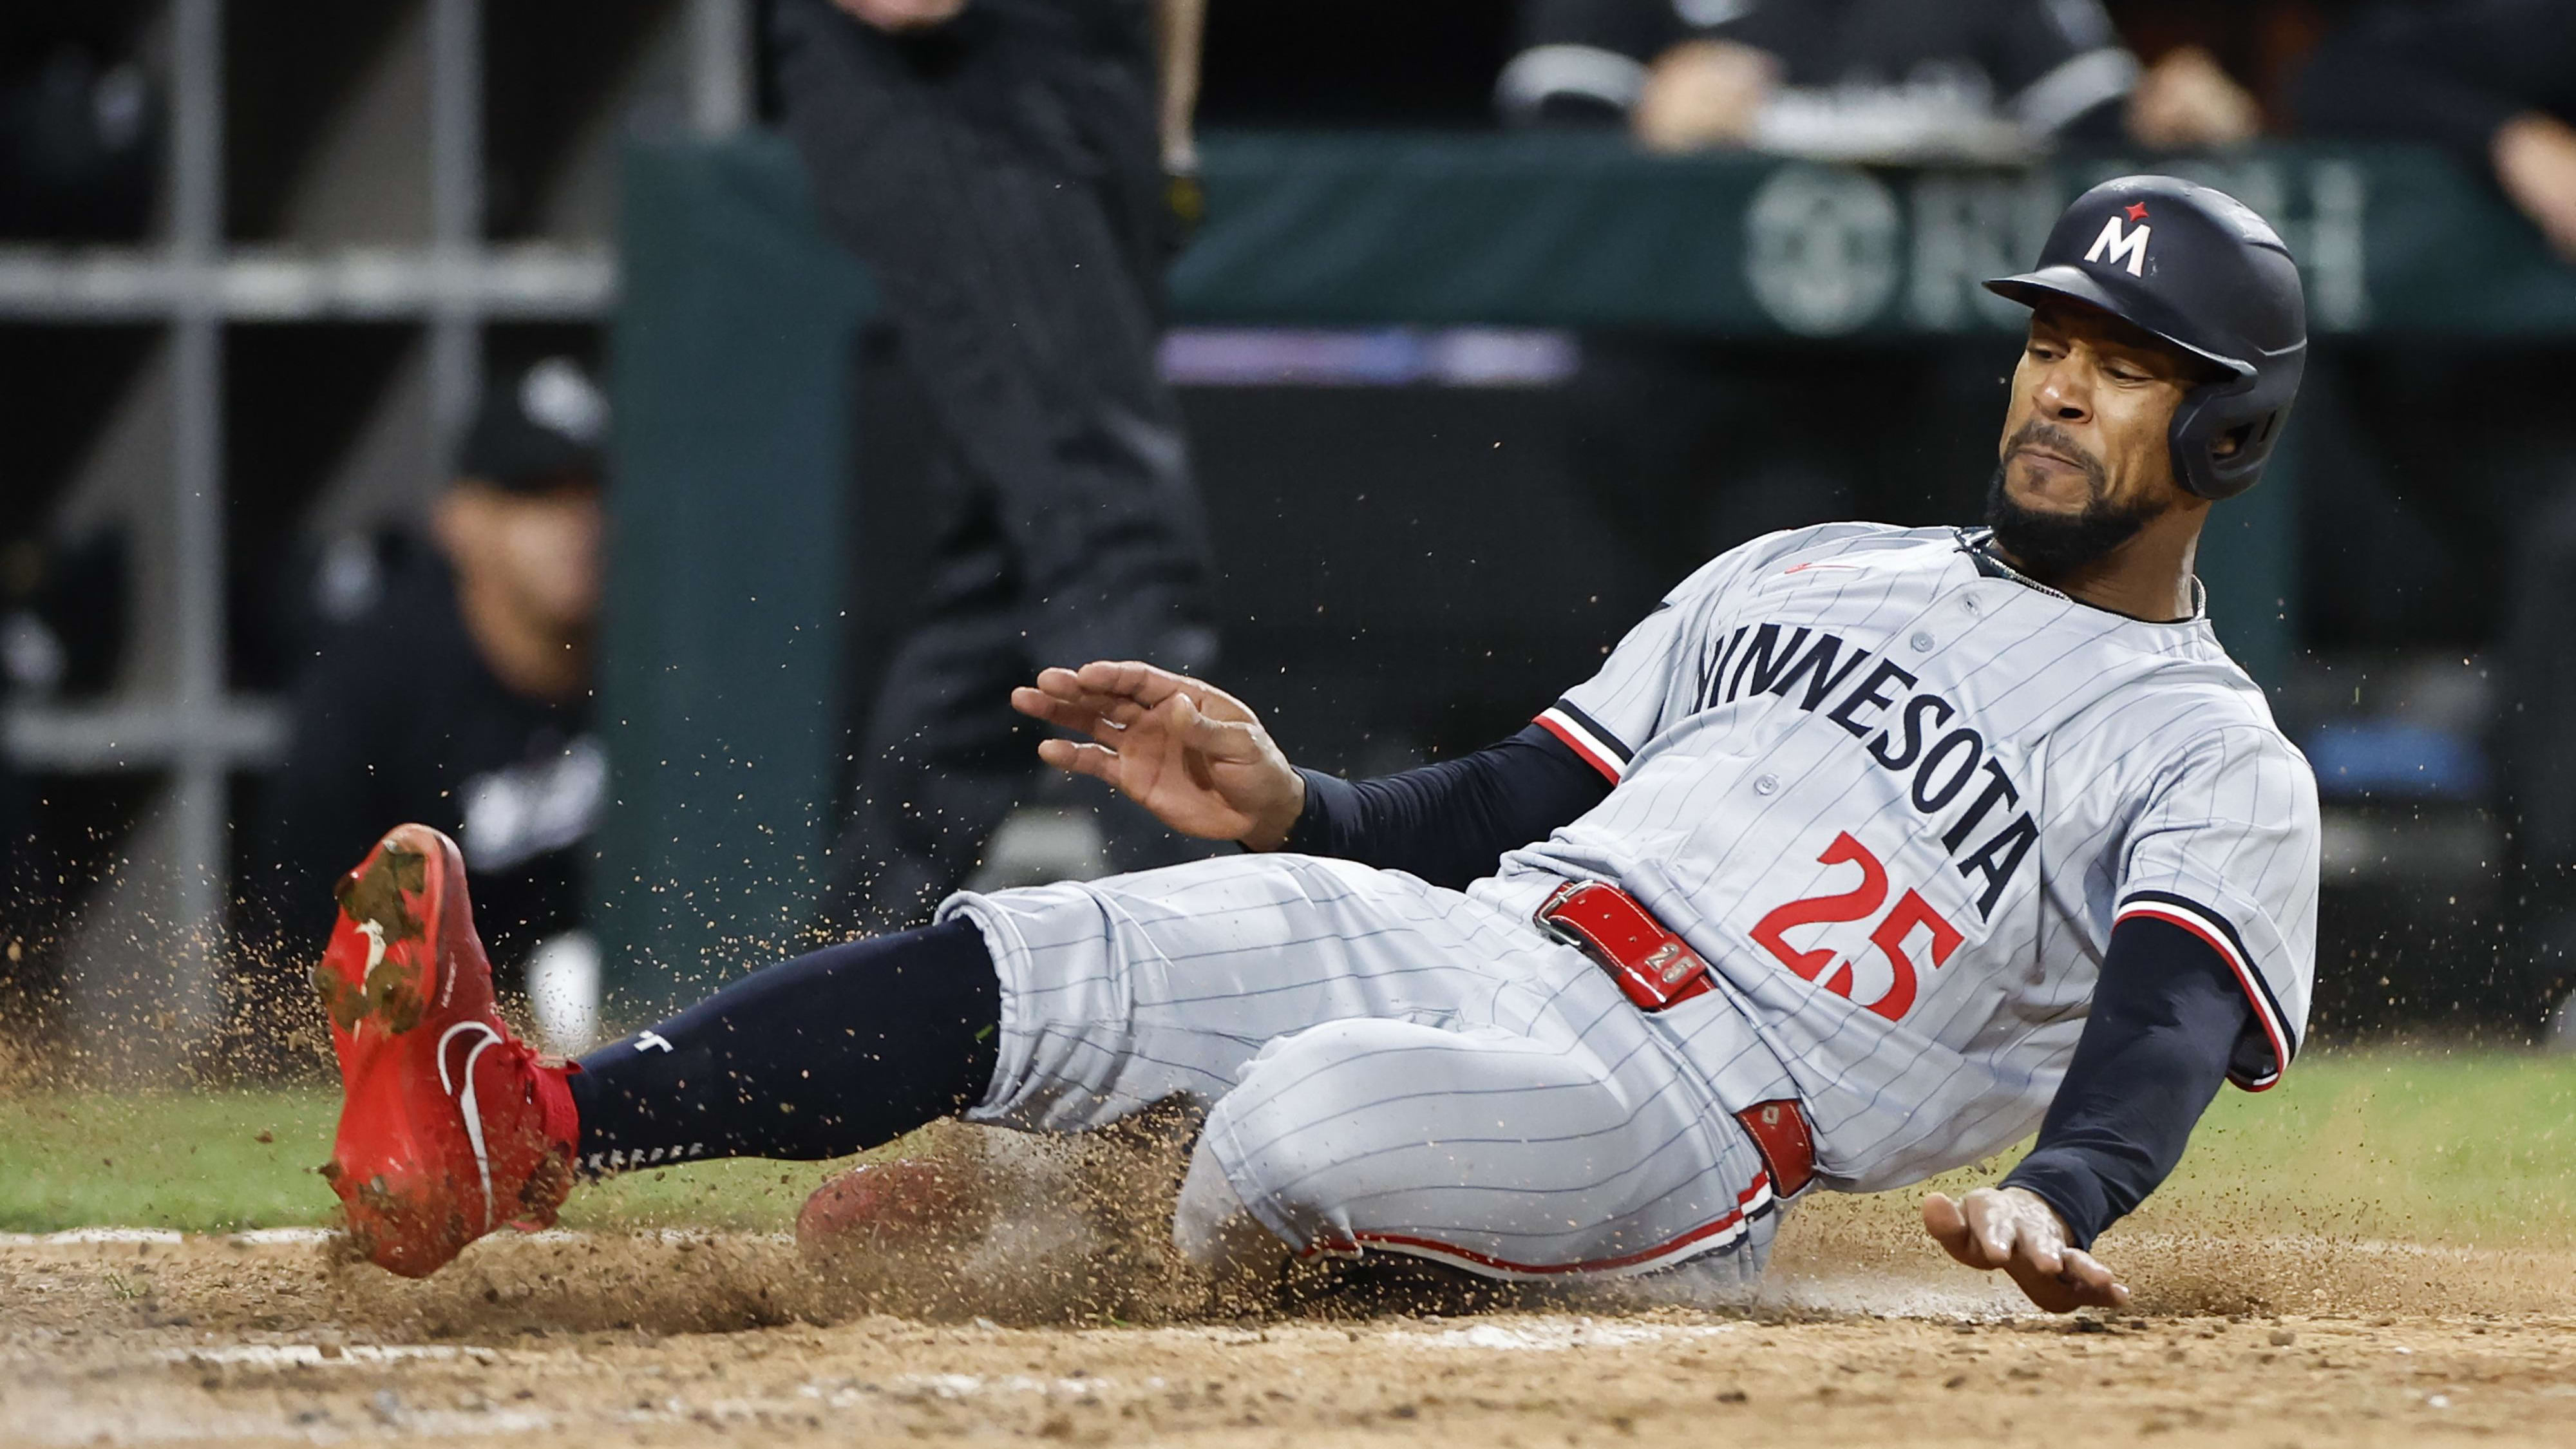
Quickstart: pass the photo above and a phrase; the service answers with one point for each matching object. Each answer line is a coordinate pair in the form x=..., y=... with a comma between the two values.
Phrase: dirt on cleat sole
x=392, y=993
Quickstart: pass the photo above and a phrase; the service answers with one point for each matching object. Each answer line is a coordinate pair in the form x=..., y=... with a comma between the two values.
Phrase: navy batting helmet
x=2199, y=269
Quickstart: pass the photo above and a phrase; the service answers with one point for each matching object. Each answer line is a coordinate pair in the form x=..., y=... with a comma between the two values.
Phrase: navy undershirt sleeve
x=1448, y=823
x=2166, y=1016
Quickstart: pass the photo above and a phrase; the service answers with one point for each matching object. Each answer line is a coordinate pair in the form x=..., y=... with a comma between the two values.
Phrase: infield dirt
x=1864, y=1337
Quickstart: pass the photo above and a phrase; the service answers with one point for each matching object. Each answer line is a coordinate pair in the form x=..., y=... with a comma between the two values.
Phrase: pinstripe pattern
x=1986, y=774
x=2145, y=759
x=1384, y=1062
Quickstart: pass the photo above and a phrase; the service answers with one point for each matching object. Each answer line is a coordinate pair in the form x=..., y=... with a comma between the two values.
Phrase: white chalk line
x=1555, y=1335
x=313, y=1355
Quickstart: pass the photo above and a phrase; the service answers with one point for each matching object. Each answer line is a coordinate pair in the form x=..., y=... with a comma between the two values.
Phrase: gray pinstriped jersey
x=1899, y=802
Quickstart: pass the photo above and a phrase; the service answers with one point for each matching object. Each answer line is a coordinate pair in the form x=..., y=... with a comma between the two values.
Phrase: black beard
x=2049, y=546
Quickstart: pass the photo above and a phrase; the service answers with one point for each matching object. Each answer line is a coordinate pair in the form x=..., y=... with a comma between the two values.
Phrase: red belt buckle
x=1654, y=967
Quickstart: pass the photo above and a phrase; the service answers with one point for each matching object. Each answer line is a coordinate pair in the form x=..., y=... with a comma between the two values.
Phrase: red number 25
x=1888, y=936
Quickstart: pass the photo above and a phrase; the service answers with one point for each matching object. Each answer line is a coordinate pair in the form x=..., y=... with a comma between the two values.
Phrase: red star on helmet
x=2138, y=212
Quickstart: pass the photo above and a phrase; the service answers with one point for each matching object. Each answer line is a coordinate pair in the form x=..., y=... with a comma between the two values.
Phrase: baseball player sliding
x=1868, y=852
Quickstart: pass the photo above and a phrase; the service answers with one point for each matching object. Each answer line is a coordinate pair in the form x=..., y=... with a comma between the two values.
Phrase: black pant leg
x=1007, y=202
x=994, y=192
x=942, y=759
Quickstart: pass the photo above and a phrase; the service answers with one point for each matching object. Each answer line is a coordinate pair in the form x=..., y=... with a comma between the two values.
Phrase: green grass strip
x=2467, y=1148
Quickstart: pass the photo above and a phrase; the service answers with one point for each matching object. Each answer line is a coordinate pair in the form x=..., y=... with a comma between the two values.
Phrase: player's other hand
x=1190, y=752
x=2015, y=1230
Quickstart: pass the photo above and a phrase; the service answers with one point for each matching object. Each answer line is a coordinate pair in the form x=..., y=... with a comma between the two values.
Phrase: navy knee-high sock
x=816, y=1057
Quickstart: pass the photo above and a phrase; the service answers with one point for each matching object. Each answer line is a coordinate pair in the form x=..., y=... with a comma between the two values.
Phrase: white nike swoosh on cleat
x=465, y=1104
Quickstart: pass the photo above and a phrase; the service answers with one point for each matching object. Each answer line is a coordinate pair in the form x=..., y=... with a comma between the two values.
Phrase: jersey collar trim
x=1977, y=544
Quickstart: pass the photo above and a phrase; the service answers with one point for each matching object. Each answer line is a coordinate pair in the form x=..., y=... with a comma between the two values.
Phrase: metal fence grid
x=183, y=724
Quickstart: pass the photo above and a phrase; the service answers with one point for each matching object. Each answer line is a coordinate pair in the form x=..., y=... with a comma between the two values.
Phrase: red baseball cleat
x=449, y=1125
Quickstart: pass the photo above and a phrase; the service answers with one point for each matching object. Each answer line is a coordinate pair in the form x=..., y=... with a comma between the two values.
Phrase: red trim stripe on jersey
x=1584, y=735
x=1708, y=1237
x=2213, y=929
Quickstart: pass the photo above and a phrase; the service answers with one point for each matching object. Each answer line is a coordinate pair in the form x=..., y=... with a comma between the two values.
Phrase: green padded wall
x=718, y=695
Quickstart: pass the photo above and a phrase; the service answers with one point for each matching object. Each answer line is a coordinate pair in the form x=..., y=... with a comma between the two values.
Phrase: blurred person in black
x=2491, y=81
x=80, y=124
x=1014, y=175
x=2481, y=439
x=458, y=691
x=1690, y=447
x=1848, y=75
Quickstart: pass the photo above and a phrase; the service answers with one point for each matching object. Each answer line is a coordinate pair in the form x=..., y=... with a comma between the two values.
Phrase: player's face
x=2092, y=400
x=2084, y=462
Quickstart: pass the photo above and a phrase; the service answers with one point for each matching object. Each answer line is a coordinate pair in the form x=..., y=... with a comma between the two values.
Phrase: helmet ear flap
x=2199, y=269
x=2253, y=408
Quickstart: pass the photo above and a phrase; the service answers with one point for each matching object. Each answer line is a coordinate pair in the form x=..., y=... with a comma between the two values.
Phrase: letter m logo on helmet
x=2114, y=246
x=2223, y=289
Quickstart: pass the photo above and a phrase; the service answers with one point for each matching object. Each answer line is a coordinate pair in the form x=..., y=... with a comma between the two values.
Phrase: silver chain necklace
x=1982, y=546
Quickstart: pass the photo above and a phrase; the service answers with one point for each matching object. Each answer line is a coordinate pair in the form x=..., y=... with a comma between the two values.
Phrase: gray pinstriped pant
x=1384, y=1064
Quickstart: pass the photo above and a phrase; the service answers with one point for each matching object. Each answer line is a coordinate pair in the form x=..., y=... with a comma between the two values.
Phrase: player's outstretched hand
x=2016, y=1230
x=1190, y=752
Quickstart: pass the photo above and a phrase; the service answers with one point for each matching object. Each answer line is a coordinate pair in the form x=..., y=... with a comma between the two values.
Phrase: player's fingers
x=1103, y=683
x=1130, y=679
x=1080, y=759
x=2092, y=1279
x=1990, y=1228
x=1061, y=683
x=1219, y=739
x=1067, y=690
x=1948, y=1225
x=1060, y=701
x=1104, y=726
x=2046, y=1291
x=1106, y=722
x=1966, y=1239
x=1063, y=713
x=1118, y=711
x=1215, y=703
x=2044, y=1252
x=1150, y=685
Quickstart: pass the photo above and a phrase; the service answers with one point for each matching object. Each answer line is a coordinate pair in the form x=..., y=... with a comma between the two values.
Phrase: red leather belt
x=1779, y=1132
x=1655, y=967
x=1658, y=970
